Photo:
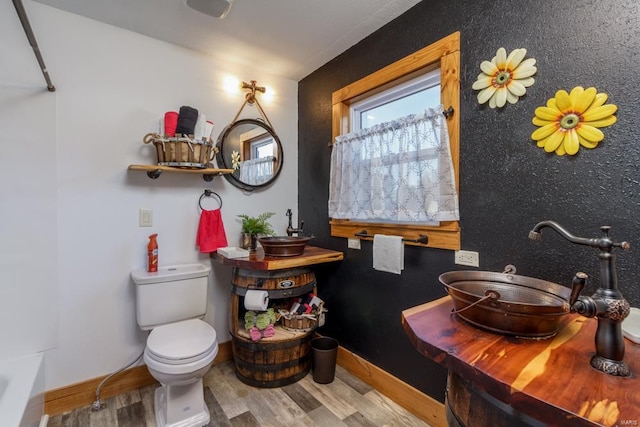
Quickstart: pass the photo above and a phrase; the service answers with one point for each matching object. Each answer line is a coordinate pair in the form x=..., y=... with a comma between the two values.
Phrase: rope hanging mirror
x=250, y=147
x=250, y=98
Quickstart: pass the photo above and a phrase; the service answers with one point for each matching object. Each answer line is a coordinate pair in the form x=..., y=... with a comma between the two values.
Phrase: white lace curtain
x=399, y=171
x=257, y=171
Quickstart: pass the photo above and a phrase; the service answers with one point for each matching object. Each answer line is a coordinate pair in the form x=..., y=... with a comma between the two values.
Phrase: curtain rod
x=22, y=14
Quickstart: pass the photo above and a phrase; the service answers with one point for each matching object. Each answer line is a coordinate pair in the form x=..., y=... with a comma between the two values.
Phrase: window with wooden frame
x=445, y=56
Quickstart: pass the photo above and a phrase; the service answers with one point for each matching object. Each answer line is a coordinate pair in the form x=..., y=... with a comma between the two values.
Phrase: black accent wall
x=507, y=184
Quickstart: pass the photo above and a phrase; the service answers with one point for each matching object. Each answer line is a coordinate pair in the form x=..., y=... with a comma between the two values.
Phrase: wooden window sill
x=445, y=236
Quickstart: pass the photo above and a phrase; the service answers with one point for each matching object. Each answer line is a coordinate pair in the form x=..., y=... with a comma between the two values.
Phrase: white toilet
x=181, y=347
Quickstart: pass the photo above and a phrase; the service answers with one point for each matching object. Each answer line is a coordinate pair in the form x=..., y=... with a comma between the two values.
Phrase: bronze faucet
x=607, y=303
x=290, y=229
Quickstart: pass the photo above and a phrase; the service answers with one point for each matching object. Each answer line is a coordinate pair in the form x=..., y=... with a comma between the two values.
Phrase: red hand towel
x=170, y=123
x=211, y=235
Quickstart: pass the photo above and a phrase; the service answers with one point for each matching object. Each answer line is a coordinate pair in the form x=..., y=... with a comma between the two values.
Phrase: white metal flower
x=235, y=160
x=505, y=78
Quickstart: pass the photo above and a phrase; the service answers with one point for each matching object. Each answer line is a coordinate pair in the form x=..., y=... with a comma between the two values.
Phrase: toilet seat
x=181, y=347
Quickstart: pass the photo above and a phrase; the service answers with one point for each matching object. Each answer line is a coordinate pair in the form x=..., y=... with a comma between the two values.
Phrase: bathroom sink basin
x=283, y=246
x=506, y=303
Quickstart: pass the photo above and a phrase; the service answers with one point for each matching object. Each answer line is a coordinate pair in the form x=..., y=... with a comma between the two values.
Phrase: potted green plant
x=252, y=227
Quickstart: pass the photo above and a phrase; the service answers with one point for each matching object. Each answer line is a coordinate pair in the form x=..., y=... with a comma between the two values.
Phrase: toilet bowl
x=178, y=355
x=180, y=348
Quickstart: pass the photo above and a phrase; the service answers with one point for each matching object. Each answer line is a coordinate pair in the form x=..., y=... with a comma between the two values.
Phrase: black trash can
x=324, y=353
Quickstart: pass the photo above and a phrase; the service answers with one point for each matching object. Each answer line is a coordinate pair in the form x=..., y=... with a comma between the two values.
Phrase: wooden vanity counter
x=258, y=261
x=549, y=380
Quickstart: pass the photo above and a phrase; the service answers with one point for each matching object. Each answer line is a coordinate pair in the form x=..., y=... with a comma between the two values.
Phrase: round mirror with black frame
x=253, y=150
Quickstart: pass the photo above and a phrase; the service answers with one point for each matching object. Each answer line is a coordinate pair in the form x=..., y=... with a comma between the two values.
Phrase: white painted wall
x=70, y=207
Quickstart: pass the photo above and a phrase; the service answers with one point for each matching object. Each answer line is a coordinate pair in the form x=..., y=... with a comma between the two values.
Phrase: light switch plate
x=145, y=217
x=353, y=243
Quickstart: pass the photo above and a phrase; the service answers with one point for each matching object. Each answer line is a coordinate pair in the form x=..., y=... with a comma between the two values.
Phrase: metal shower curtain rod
x=22, y=14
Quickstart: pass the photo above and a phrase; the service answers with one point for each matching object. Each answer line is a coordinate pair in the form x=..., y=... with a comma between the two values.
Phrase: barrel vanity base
x=271, y=364
x=284, y=358
x=466, y=405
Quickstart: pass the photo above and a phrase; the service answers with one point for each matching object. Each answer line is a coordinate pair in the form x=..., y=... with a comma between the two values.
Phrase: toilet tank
x=174, y=293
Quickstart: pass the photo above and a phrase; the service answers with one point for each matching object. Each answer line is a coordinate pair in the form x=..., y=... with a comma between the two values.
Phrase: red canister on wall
x=152, y=252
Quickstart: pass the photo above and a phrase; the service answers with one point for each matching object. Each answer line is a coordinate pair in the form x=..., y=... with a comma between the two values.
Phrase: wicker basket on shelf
x=302, y=322
x=181, y=151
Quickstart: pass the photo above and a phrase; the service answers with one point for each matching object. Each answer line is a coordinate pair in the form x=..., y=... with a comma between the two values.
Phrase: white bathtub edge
x=22, y=402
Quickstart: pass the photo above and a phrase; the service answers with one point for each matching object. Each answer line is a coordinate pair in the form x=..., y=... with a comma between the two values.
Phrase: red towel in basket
x=211, y=235
x=170, y=123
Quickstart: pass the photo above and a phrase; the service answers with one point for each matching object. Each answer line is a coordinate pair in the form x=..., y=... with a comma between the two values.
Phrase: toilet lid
x=181, y=340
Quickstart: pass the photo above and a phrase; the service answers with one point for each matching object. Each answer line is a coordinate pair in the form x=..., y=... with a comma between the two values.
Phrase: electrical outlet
x=145, y=217
x=353, y=243
x=469, y=258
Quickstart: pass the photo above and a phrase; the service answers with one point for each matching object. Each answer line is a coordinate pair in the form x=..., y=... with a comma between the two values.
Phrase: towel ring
x=209, y=193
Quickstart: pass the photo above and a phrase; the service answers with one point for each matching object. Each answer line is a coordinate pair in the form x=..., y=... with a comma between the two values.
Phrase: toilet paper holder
x=256, y=300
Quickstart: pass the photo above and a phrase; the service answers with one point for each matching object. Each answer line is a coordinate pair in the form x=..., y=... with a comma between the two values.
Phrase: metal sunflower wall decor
x=571, y=120
x=505, y=78
x=235, y=160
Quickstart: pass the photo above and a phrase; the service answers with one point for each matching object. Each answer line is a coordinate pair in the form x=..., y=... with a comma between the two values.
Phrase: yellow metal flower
x=572, y=119
x=505, y=78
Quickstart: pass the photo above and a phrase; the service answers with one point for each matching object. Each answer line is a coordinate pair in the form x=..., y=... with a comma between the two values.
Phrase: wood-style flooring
x=347, y=401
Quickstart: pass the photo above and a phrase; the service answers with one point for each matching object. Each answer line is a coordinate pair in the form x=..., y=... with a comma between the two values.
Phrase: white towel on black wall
x=388, y=253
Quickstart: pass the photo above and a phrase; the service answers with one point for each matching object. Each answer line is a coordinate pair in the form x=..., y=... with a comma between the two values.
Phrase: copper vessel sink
x=283, y=246
x=507, y=304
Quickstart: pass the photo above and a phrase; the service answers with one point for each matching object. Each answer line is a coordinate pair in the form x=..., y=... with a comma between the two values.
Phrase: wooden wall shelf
x=154, y=171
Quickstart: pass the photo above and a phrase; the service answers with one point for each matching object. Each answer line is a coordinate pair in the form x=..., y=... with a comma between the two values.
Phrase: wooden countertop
x=550, y=379
x=258, y=261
